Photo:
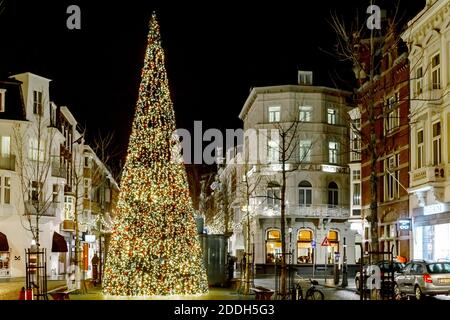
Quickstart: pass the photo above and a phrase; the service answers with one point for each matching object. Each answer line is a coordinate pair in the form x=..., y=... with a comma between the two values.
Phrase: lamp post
x=344, y=267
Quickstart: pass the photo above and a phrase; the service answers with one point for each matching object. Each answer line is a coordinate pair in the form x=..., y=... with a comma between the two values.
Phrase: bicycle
x=311, y=294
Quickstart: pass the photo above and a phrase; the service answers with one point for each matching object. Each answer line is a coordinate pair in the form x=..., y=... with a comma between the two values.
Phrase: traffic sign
x=325, y=242
x=313, y=244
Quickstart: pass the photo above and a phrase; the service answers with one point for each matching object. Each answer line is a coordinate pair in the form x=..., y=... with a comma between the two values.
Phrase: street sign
x=313, y=244
x=325, y=242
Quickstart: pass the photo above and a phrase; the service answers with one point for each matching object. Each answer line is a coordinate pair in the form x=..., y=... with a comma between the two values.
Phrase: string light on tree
x=154, y=248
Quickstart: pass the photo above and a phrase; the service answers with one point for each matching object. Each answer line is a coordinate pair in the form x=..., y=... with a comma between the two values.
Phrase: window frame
x=305, y=147
x=38, y=105
x=305, y=113
x=436, y=71
x=419, y=152
x=274, y=114
x=436, y=143
x=333, y=152
x=331, y=116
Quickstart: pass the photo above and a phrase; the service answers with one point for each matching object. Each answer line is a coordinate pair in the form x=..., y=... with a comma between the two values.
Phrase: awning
x=59, y=243
x=3, y=242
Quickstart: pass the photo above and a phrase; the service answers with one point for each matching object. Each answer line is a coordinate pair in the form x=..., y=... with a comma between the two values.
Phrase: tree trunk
x=283, y=274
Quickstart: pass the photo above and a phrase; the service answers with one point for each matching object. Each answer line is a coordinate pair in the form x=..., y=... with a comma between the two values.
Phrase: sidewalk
x=10, y=288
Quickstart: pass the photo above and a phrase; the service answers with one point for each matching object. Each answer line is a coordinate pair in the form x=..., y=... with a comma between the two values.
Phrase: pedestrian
x=95, y=261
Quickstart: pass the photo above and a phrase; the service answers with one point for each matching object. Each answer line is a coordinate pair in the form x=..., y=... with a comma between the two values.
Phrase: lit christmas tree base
x=154, y=248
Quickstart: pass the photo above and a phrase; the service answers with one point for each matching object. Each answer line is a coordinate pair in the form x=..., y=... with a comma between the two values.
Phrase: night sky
x=215, y=52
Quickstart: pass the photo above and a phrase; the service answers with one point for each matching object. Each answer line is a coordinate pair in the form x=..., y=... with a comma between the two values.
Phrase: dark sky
x=215, y=52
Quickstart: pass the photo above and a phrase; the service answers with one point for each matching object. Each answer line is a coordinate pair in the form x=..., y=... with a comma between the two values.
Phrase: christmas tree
x=154, y=247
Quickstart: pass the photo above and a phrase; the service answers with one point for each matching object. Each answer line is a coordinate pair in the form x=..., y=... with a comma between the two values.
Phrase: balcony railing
x=45, y=210
x=428, y=174
x=58, y=170
x=8, y=162
x=312, y=211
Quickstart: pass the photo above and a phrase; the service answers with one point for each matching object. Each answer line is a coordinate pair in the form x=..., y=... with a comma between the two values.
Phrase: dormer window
x=2, y=100
x=305, y=78
x=37, y=102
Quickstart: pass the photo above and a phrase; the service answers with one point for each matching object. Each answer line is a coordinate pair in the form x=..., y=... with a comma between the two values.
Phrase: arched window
x=273, y=195
x=273, y=245
x=333, y=239
x=304, y=194
x=304, y=246
x=333, y=194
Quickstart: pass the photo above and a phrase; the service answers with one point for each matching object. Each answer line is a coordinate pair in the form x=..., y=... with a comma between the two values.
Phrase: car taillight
x=427, y=278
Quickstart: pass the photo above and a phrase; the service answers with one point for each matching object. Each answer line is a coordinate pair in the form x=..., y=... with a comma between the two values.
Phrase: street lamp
x=344, y=267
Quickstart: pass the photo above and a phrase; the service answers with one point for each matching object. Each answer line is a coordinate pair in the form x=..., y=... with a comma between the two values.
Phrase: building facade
x=428, y=39
x=383, y=104
x=40, y=166
x=311, y=122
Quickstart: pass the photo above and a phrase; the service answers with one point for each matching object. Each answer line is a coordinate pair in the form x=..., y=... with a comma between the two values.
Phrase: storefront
x=304, y=246
x=431, y=232
x=273, y=245
x=4, y=257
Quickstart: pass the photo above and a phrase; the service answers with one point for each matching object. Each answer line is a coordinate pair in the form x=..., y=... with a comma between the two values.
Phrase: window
x=272, y=151
x=37, y=102
x=392, y=117
x=69, y=207
x=436, y=72
x=333, y=194
x=420, y=154
x=2, y=100
x=333, y=238
x=305, y=113
x=6, y=146
x=87, y=162
x=53, y=115
x=356, y=174
x=437, y=143
x=304, y=247
x=36, y=150
x=356, y=212
x=355, y=140
x=5, y=189
x=273, y=245
x=304, y=194
x=305, y=150
x=274, y=114
x=391, y=176
x=35, y=191
x=273, y=196
x=55, y=193
x=87, y=188
x=356, y=194
x=331, y=115
x=332, y=152
x=419, y=81
x=305, y=77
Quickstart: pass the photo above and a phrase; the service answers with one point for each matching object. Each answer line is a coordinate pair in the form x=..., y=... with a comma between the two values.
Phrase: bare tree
x=36, y=156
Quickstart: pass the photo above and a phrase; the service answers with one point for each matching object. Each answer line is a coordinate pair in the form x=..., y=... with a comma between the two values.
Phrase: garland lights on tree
x=154, y=248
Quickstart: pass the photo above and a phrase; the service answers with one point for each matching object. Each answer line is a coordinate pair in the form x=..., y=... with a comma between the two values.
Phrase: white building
x=317, y=186
x=42, y=168
x=428, y=39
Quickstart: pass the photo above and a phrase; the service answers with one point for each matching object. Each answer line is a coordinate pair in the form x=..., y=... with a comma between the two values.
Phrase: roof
x=285, y=89
x=14, y=104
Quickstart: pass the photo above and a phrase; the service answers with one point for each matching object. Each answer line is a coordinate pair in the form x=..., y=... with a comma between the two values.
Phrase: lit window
x=332, y=152
x=273, y=245
x=437, y=143
x=6, y=146
x=274, y=114
x=420, y=155
x=331, y=116
x=305, y=113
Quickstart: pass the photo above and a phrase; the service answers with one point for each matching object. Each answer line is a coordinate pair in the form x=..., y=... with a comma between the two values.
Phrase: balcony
x=67, y=225
x=313, y=211
x=58, y=170
x=50, y=209
x=8, y=162
x=428, y=174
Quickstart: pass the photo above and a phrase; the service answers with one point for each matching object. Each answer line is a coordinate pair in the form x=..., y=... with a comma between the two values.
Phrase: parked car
x=420, y=278
x=386, y=269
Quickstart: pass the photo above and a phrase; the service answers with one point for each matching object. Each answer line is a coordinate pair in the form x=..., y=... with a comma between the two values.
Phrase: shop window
x=333, y=239
x=304, y=247
x=273, y=245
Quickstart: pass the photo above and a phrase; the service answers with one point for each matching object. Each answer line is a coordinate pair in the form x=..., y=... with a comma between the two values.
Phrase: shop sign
x=89, y=238
x=404, y=224
x=433, y=209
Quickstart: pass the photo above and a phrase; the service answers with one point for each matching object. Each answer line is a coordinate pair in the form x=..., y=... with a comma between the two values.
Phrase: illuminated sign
x=404, y=224
x=327, y=168
x=433, y=209
x=89, y=238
